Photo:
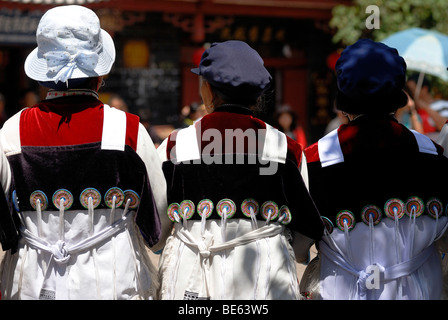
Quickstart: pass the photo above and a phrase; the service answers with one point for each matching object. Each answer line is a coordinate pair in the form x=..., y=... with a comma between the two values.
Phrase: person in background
x=184, y=120
x=442, y=139
x=377, y=186
x=8, y=224
x=409, y=116
x=241, y=211
x=334, y=123
x=87, y=182
x=28, y=98
x=116, y=101
x=432, y=111
x=3, y=114
x=197, y=111
x=287, y=122
x=192, y=113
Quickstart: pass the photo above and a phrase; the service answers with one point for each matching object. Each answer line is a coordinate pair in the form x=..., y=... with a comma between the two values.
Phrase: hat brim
x=371, y=104
x=36, y=65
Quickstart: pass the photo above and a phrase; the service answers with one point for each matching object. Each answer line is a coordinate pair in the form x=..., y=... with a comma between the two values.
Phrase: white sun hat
x=70, y=45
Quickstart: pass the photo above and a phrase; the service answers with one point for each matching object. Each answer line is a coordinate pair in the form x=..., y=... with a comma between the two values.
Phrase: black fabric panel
x=9, y=226
x=195, y=182
x=84, y=166
x=373, y=177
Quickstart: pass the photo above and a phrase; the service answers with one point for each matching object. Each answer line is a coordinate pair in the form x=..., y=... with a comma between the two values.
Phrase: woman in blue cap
x=374, y=183
x=236, y=195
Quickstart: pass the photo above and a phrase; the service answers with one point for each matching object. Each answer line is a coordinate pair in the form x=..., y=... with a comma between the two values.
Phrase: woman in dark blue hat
x=236, y=192
x=374, y=183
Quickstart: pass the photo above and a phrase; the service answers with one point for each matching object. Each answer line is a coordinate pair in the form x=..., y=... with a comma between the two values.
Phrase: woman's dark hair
x=82, y=83
x=255, y=104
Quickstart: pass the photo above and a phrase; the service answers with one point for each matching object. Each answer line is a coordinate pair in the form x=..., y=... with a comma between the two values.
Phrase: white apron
x=228, y=258
x=402, y=262
x=81, y=254
x=235, y=262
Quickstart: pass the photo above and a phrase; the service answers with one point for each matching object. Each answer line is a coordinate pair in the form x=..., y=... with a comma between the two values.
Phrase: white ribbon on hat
x=63, y=63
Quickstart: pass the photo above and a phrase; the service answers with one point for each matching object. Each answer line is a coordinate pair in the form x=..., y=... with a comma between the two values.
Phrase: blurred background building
x=159, y=41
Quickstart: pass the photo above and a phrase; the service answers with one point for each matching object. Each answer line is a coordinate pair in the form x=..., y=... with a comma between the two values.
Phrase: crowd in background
x=426, y=113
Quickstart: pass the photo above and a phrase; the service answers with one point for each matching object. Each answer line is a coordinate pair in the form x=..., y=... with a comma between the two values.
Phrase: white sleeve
x=443, y=139
x=148, y=153
x=161, y=150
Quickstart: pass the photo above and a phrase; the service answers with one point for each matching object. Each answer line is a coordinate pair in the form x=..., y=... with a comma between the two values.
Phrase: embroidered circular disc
x=172, y=211
x=249, y=204
x=371, y=211
x=415, y=206
x=186, y=208
x=205, y=206
x=135, y=198
x=269, y=209
x=345, y=217
x=393, y=206
x=434, y=207
x=65, y=195
x=90, y=193
x=284, y=211
x=39, y=195
x=328, y=224
x=227, y=206
x=109, y=197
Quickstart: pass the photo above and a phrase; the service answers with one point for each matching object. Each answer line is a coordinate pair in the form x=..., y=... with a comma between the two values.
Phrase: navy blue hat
x=234, y=68
x=370, y=78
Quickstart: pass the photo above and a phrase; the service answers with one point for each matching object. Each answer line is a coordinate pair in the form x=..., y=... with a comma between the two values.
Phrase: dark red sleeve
x=294, y=151
x=312, y=153
x=132, y=124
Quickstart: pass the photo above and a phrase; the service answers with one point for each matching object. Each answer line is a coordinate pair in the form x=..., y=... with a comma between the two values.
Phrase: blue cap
x=370, y=78
x=234, y=68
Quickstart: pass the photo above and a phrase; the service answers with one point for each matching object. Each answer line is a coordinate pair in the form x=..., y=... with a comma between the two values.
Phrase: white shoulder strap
x=329, y=149
x=275, y=145
x=425, y=144
x=187, y=144
x=274, y=149
x=114, y=129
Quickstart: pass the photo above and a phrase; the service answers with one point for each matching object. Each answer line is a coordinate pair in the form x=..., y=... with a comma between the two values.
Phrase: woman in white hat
x=87, y=183
x=236, y=191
